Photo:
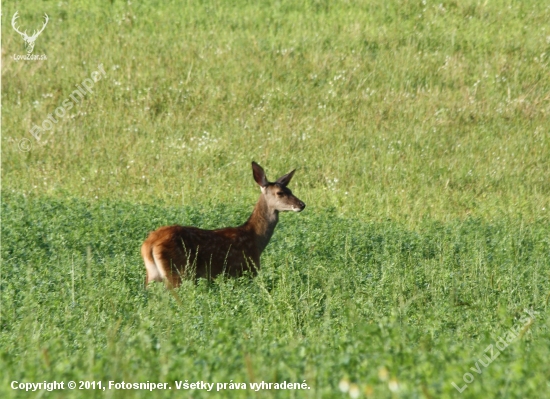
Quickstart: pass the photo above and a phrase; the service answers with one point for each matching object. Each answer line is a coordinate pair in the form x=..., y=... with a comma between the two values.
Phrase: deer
x=173, y=253
x=29, y=40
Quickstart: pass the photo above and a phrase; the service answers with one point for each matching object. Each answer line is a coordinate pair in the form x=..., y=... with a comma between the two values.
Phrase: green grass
x=336, y=298
x=421, y=137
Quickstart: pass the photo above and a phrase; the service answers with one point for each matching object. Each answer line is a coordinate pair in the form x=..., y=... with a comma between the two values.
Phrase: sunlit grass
x=437, y=110
x=420, y=134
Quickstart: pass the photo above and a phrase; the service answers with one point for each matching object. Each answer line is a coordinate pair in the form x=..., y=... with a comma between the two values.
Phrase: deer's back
x=208, y=252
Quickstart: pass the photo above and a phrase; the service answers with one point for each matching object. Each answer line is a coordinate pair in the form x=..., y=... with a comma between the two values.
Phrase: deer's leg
x=152, y=271
x=168, y=272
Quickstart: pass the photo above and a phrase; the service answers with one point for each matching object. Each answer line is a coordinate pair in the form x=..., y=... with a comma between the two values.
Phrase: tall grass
x=414, y=110
x=421, y=137
x=336, y=299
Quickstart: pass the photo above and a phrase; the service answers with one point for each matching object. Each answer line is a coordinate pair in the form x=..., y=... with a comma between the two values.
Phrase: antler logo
x=29, y=40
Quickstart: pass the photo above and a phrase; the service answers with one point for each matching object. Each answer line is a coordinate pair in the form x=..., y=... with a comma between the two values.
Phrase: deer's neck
x=262, y=223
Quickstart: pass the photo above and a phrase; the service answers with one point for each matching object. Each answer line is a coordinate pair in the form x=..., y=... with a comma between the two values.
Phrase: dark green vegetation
x=420, y=132
x=336, y=298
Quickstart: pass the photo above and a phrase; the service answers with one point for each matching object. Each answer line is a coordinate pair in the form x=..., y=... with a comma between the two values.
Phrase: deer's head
x=277, y=195
x=29, y=40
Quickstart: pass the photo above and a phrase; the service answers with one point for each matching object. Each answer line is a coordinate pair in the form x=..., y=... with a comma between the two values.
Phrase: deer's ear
x=284, y=180
x=259, y=174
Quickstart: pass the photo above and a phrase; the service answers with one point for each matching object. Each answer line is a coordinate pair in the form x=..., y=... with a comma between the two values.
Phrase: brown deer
x=174, y=252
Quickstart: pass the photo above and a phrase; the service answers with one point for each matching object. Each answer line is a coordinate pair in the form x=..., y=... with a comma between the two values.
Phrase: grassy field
x=420, y=132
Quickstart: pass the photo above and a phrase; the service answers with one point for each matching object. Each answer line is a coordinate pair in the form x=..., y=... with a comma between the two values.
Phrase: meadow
x=420, y=132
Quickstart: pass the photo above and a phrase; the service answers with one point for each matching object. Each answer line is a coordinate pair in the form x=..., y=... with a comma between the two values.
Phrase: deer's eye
x=280, y=193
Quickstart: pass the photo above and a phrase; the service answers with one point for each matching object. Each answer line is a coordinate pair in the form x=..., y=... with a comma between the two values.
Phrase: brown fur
x=171, y=253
